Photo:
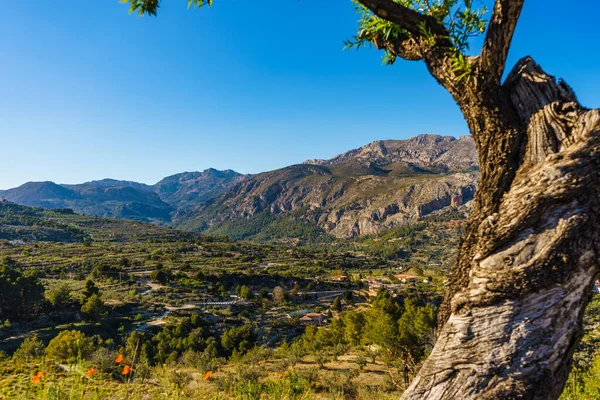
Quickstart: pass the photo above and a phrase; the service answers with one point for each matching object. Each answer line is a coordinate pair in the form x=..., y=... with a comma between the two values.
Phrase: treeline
x=266, y=227
x=399, y=332
x=23, y=296
x=189, y=341
x=20, y=222
x=21, y=293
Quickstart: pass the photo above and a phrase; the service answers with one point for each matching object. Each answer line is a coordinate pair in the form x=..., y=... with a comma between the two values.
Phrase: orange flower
x=90, y=371
x=126, y=370
x=38, y=377
x=207, y=375
x=119, y=359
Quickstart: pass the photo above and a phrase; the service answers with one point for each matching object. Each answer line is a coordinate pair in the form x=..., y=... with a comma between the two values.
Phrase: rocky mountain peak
x=424, y=151
x=107, y=182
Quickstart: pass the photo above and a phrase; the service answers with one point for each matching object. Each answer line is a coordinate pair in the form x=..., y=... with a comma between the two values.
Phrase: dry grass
x=71, y=382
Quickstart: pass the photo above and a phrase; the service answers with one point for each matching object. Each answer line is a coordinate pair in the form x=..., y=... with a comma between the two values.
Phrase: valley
x=196, y=302
x=202, y=316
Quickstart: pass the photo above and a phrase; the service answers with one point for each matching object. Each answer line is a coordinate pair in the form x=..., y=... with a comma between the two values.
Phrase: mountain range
x=363, y=191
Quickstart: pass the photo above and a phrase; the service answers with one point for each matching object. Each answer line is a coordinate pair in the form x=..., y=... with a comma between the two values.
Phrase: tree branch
x=404, y=17
x=499, y=36
x=150, y=7
x=415, y=45
x=404, y=47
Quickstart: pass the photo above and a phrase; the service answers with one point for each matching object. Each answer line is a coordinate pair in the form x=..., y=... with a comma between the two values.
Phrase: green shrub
x=361, y=362
x=103, y=360
x=241, y=339
x=90, y=289
x=60, y=298
x=94, y=309
x=179, y=379
x=31, y=348
x=69, y=346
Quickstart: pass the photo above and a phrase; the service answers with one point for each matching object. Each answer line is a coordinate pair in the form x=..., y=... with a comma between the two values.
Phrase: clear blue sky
x=89, y=91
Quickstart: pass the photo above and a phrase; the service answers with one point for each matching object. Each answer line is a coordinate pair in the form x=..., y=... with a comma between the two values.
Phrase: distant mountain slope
x=91, y=199
x=126, y=199
x=114, y=183
x=41, y=194
x=189, y=189
x=364, y=191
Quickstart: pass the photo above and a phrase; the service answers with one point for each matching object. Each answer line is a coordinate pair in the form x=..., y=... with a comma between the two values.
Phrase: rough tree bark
x=514, y=302
x=513, y=327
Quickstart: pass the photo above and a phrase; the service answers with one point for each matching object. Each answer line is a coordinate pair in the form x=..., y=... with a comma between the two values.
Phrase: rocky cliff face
x=364, y=191
x=412, y=199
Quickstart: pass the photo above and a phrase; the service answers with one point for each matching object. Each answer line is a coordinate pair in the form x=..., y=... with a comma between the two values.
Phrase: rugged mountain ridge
x=430, y=152
x=384, y=184
x=188, y=189
x=113, y=183
x=91, y=199
x=364, y=191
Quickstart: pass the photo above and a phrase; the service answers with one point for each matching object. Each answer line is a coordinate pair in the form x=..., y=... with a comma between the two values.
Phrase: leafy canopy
x=462, y=19
x=151, y=6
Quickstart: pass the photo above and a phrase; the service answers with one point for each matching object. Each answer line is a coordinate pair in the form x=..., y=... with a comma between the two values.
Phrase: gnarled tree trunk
x=513, y=311
x=514, y=302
